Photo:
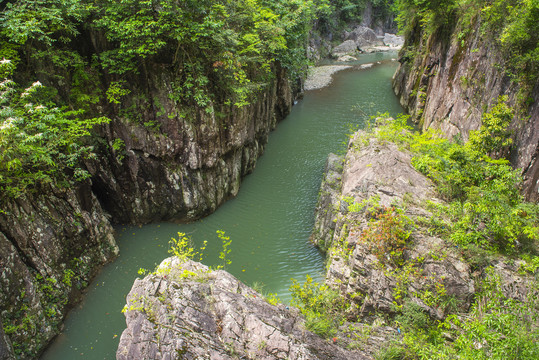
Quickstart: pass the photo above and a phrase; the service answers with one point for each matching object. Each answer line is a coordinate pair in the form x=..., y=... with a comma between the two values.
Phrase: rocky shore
x=321, y=76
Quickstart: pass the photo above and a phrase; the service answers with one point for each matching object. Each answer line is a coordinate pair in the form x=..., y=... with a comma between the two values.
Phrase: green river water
x=269, y=221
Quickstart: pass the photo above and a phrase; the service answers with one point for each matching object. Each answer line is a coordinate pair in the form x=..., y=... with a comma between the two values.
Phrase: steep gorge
x=53, y=242
x=157, y=159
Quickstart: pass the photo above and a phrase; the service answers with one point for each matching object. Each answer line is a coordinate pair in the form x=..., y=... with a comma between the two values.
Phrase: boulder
x=363, y=37
x=346, y=58
x=185, y=310
x=347, y=47
x=393, y=40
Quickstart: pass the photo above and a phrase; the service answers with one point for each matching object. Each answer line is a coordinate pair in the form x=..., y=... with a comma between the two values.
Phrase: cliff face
x=447, y=83
x=385, y=256
x=51, y=244
x=381, y=178
x=177, y=166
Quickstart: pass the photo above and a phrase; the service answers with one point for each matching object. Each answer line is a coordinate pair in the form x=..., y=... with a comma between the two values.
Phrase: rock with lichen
x=185, y=310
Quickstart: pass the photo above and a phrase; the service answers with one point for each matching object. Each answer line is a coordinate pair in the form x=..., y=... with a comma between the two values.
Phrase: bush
x=39, y=142
x=322, y=306
x=484, y=207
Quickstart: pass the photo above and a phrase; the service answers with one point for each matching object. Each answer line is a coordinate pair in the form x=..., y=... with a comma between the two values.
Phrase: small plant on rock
x=387, y=234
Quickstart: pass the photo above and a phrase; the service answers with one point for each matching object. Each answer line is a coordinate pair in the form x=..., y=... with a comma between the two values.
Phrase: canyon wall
x=180, y=163
x=51, y=244
x=447, y=82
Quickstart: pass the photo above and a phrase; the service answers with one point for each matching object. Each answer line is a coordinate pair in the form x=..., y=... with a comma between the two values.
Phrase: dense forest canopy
x=84, y=56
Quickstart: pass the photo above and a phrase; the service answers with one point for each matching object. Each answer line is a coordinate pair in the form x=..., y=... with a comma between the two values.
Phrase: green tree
x=39, y=143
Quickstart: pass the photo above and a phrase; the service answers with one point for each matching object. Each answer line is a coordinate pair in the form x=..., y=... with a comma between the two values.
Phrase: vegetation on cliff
x=483, y=221
x=87, y=56
x=511, y=23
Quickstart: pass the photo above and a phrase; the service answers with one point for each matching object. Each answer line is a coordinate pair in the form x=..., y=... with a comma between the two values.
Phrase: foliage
x=39, y=143
x=223, y=51
x=497, y=327
x=223, y=255
x=43, y=21
x=430, y=15
x=485, y=207
x=116, y=91
x=512, y=23
x=322, y=306
x=515, y=24
x=493, y=135
x=387, y=234
x=182, y=247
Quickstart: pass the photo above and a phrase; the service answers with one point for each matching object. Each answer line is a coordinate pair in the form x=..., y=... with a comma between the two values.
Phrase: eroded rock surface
x=450, y=84
x=182, y=163
x=382, y=174
x=186, y=311
x=6, y=351
x=51, y=244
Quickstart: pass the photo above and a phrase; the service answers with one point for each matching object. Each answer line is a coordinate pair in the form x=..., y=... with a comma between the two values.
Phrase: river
x=269, y=221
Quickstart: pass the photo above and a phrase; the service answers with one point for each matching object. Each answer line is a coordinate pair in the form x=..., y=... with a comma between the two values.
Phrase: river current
x=269, y=221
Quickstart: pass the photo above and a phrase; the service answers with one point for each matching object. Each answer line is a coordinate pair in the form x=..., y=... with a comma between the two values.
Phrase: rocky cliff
x=181, y=163
x=181, y=167
x=184, y=310
x=447, y=82
x=374, y=219
x=51, y=244
x=372, y=184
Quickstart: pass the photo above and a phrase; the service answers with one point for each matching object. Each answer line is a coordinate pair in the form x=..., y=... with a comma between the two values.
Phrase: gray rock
x=6, y=352
x=326, y=213
x=363, y=37
x=321, y=76
x=393, y=40
x=185, y=310
x=46, y=239
x=185, y=162
x=449, y=85
x=348, y=47
x=373, y=169
x=346, y=58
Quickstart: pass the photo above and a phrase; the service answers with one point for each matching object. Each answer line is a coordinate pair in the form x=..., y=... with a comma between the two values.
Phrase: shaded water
x=269, y=222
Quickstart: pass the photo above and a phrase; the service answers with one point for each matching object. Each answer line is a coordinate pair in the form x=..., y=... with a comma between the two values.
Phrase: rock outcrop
x=447, y=83
x=168, y=166
x=51, y=245
x=179, y=166
x=6, y=351
x=186, y=310
x=376, y=177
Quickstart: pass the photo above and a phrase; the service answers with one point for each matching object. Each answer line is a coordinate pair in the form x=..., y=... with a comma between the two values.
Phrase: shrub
x=387, y=234
x=322, y=306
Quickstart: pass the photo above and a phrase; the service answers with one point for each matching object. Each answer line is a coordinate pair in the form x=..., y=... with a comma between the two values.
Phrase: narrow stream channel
x=269, y=222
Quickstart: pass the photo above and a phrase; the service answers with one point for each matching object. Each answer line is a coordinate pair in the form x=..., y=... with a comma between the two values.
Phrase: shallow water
x=269, y=221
